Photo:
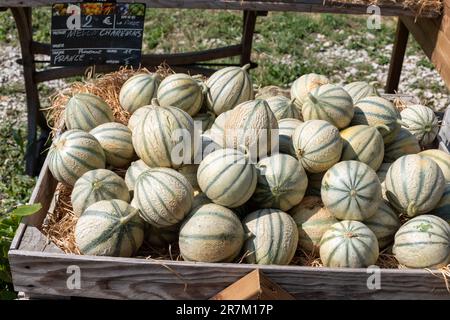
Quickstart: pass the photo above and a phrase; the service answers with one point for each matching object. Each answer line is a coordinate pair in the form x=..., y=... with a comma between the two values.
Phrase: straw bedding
x=60, y=222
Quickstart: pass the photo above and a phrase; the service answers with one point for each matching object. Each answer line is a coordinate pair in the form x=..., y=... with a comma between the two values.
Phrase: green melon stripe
x=115, y=130
x=219, y=236
x=217, y=175
x=161, y=200
x=390, y=118
x=280, y=236
x=360, y=90
x=176, y=90
x=438, y=159
x=143, y=81
x=219, y=76
x=167, y=82
x=421, y=116
x=108, y=193
x=218, y=215
x=177, y=113
x=405, y=244
x=90, y=151
x=76, y=136
x=150, y=203
x=66, y=169
x=366, y=185
x=81, y=161
x=335, y=249
x=118, y=242
x=314, y=135
x=183, y=183
x=241, y=89
x=433, y=223
x=361, y=131
x=382, y=106
x=268, y=252
x=325, y=146
x=360, y=257
x=117, y=154
x=146, y=152
x=87, y=116
x=129, y=234
x=404, y=182
x=219, y=94
x=420, y=232
x=323, y=105
x=164, y=138
x=347, y=245
x=183, y=100
x=230, y=186
x=420, y=189
x=251, y=179
x=101, y=238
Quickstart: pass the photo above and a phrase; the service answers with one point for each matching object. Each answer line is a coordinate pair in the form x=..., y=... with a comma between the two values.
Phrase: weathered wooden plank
x=127, y=278
x=254, y=286
x=34, y=240
x=320, y=6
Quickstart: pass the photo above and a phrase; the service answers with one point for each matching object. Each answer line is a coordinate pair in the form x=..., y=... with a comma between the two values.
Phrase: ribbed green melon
x=378, y=112
x=115, y=139
x=109, y=228
x=314, y=183
x=384, y=223
x=140, y=113
x=211, y=233
x=72, y=154
x=381, y=173
x=161, y=237
x=282, y=182
x=317, y=145
x=182, y=91
x=286, y=128
x=227, y=177
x=304, y=85
x=421, y=122
x=330, y=103
x=217, y=131
x=85, y=111
x=414, y=185
x=363, y=143
x=441, y=158
x=133, y=172
x=360, y=89
x=403, y=144
x=351, y=190
x=272, y=237
x=138, y=91
x=312, y=220
x=227, y=88
x=160, y=133
x=96, y=185
x=283, y=108
x=349, y=244
x=189, y=171
x=423, y=242
x=163, y=196
x=442, y=209
x=251, y=124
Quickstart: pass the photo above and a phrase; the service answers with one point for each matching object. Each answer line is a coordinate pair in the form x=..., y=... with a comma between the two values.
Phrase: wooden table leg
x=397, y=58
x=34, y=156
x=247, y=36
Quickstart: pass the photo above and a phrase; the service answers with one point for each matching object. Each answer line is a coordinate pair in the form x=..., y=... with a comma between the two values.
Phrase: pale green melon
x=283, y=108
x=138, y=91
x=272, y=237
x=421, y=122
x=349, y=244
x=441, y=158
x=403, y=144
x=133, y=172
x=351, y=190
x=423, y=242
x=360, y=89
x=286, y=129
x=109, y=228
x=211, y=233
x=414, y=185
x=304, y=85
x=140, y=113
x=96, y=185
x=74, y=153
x=85, y=111
x=384, y=223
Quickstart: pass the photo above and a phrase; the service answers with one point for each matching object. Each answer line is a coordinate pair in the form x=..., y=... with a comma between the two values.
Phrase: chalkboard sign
x=91, y=33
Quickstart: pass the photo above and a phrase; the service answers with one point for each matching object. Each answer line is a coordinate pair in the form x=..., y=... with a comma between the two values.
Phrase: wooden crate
x=40, y=268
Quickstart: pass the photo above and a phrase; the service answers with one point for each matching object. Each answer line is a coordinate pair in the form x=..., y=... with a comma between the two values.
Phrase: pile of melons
x=350, y=168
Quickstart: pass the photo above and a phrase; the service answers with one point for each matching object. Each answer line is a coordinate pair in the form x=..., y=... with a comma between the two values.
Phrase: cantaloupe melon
x=272, y=237
x=381, y=173
x=349, y=244
x=227, y=88
x=414, y=185
x=97, y=185
x=85, y=111
x=423, y=242
x=109, y=228
x=283, y=108
x=253, y=125
x=72, y=154
x=330, y=103
x=442, y=209
x=304, y=85
x=227, y=177
x=163, y=196
x=378, y=112
x=421, y=122
x=115, y=139
x=360, y=89
x=384, y=223
x=163, y=138
x=211, y=233
x=140, y=113
x=218, y=128
x=363, y=143
x=404, y=143
x=282, y=182
x=133, y=172
x=317, y=145
x=182, y=91
x=441, y=158
x=312, y=221
x=351, y=190
x=286, y=128
x=138, y=91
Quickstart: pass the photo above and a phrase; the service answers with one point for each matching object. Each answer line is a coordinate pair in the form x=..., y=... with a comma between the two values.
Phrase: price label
x=95, y=33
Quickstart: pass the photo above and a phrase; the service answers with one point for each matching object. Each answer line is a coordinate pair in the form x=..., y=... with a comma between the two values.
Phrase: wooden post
x=247, y=36
x=34, y=158
x=254, y=286
x=398, y=55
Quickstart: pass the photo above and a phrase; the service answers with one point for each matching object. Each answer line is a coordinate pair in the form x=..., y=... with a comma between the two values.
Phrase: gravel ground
x=416, y=79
